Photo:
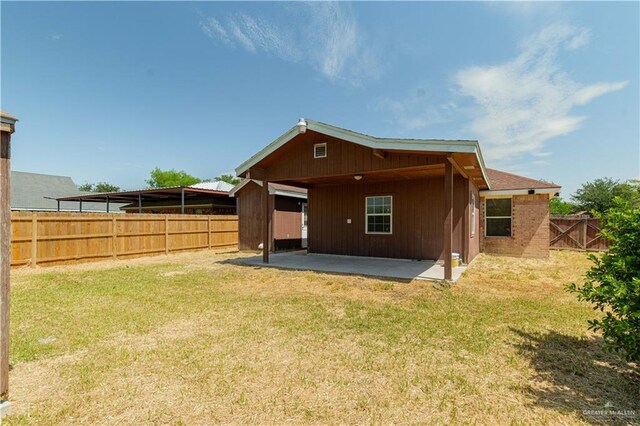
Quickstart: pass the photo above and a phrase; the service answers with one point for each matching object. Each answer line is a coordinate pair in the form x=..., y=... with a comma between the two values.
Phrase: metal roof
x=150, y=193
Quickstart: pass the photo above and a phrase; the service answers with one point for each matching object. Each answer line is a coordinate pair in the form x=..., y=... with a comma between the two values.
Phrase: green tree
x=613, y=283
x=231, y=179
x=98, y=187
x=558, y=206
x=598, y=195
x=105, y=187
x=167, y=178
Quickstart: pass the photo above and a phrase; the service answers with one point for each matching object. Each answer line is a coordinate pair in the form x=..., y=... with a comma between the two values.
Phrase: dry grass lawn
x=192, y=339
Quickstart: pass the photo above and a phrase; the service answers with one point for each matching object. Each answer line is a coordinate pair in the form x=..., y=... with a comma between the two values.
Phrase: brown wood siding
x=286, y=224
x=343, y=158
x=249, y=216
x=416, y=223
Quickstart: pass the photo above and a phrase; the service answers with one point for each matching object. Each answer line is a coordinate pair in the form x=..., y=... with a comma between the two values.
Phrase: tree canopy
x=558, y=206
x=167, y=178
x=231, y=179
x=598, y=195
x=99, y=187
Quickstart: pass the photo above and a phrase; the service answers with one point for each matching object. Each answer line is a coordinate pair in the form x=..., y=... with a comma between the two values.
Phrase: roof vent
x=320, y=150
x=302, y=126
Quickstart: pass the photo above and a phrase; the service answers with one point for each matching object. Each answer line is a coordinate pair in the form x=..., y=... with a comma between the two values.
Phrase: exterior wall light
x=357, y=177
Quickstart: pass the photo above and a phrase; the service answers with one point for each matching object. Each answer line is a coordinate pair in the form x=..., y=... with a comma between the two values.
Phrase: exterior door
x=305, y=216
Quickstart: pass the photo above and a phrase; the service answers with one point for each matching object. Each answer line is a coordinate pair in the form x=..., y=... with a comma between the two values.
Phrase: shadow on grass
x=576, y=375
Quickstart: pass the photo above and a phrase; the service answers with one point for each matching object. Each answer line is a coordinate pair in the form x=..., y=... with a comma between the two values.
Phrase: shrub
x=613, y=282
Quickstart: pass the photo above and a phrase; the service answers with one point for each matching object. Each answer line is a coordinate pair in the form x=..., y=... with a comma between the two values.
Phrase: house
x=38, y=192
x=401, y=198
x=288, y=205
x=201, y=198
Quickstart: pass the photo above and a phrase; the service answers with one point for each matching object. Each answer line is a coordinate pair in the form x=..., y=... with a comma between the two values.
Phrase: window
x=379, y=215
x=472, y=216
x=320, y=150
x=498, y=217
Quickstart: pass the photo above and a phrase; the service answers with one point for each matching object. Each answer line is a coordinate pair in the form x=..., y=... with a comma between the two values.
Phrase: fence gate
x=576, y=233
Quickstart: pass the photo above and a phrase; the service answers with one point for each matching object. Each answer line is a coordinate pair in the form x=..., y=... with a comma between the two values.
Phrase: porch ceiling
x=407, y=173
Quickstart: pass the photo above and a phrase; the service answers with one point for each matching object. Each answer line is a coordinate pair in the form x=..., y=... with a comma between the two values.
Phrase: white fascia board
x=287, y=193
x=426, y=145
x=290, y=134
x=511, y=192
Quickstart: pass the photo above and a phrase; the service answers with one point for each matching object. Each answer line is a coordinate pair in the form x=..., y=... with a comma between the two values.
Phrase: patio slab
x=403, y=269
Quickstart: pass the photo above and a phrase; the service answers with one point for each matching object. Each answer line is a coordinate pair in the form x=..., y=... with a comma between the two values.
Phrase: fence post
x=585, y=226
x=166, y=234
x=209, y=232
x=34, y=239
x=114, y=237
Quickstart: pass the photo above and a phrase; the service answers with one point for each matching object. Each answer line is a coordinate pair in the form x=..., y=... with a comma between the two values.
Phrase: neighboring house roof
x=217, y=185
x=503, y=180
x=503, y=183
x=274, y=189
x=426, y=145
x=35, y=191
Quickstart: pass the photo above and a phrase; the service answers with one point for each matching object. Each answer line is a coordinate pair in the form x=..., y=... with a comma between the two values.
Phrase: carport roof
x=151, y=193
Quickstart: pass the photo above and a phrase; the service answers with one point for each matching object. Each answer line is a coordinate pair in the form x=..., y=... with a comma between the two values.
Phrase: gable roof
x=426, y=145
x=36, y=191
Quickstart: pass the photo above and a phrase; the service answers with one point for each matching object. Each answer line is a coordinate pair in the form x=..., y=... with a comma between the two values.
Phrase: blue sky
x=108, y=91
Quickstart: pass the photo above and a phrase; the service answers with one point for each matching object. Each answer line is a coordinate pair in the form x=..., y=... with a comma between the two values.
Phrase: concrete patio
x=402, y=269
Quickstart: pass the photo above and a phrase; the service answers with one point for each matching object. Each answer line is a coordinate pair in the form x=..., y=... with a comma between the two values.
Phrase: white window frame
x=367, y=214
x=319, y=145
x=498, y=217
x=472, y=216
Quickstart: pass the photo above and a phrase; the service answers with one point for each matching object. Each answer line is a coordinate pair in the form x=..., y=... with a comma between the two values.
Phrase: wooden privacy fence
x=55, y=237
x=576, y=233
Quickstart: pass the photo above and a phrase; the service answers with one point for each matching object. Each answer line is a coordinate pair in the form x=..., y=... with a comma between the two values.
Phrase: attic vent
x=320, y=150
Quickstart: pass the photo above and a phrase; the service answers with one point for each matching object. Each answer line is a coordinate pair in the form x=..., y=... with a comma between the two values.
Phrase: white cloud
x=523, y=103
x=325, y=35
x=587, y=94
x=214, y=29
x=55, y=36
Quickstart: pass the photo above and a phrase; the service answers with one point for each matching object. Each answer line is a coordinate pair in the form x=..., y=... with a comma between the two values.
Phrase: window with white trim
x=497, y=217
x=472, y=215
x=379, y=214
x=320, y=150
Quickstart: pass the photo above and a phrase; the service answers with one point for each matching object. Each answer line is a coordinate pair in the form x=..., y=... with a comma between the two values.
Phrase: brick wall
x=529, y=228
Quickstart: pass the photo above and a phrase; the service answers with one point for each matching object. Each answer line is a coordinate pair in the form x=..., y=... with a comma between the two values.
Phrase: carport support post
x=266, y=219
x=182, y=201
x=448, y=219
x=7, y=127
x=139, y=202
